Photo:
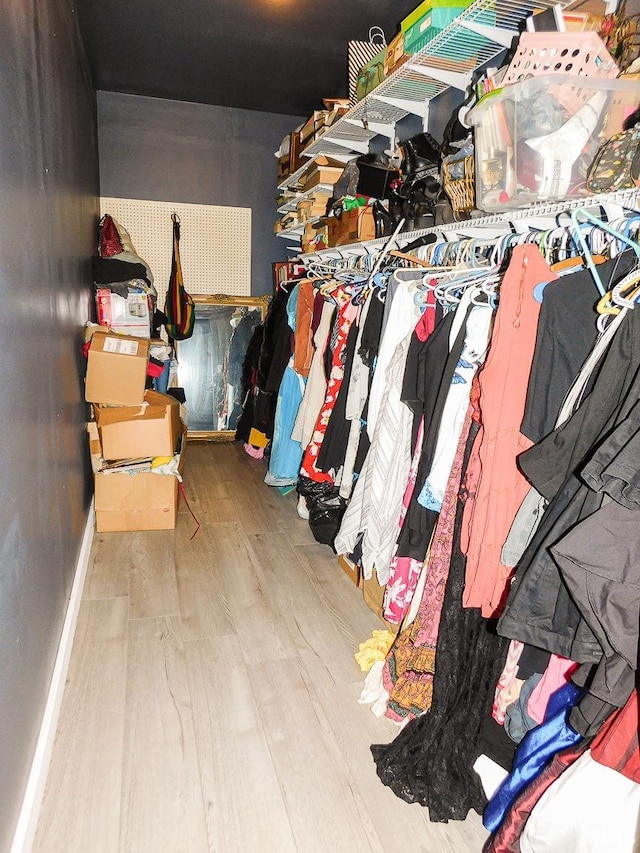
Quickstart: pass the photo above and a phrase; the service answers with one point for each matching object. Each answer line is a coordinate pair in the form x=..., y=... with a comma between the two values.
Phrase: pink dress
x=495, y=486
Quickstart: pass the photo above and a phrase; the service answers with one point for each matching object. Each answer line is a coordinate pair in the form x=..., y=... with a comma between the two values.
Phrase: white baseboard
x=29, y=813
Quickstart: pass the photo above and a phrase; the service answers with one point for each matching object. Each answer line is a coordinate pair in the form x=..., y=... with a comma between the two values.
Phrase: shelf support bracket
x=416, y=108
x=360, y=146
x=450, y=78
x=378, y=128
x=499, y=35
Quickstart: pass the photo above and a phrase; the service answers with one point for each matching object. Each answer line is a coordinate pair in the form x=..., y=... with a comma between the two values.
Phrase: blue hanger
x=579, y=236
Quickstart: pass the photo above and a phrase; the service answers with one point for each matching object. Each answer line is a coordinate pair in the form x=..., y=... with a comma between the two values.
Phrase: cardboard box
x=128, y=432
x=351, y=570
x=323, y=171
x=142, y=501
x=135, y=501
x=130, y=315
x=312, y=126
x=315, y=236
x=354, y=226
x=373, y=594
x=116, y=369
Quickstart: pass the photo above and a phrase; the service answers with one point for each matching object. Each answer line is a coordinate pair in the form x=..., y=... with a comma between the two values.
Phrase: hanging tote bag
x=178, y=305
x=360, y=53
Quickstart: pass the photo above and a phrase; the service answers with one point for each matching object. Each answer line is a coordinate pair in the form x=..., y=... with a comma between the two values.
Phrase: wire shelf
x=292, y=203
x=498, y=223
x=476, y=36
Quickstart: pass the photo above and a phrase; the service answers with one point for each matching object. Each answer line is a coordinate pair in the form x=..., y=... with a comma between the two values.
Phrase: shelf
x=292, y=203
x=475, y=37
x=295, y=232
x=295, y=177
x=540, y=216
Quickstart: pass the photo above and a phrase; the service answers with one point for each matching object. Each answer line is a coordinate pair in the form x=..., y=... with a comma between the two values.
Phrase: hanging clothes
x=377, y=496
x=410, y=665
x=286, y=453
x=431, y=760
x=346, y=313
x=494, y=483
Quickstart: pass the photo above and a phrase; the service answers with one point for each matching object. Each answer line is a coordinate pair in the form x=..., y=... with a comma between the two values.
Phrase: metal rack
x=541, y=216
x=296, y=231
x=475, y=37
x=292, y=203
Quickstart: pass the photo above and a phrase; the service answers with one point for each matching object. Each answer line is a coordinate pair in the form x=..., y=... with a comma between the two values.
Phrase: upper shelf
x=540, y=215
x=293, y=201
x=475, y=37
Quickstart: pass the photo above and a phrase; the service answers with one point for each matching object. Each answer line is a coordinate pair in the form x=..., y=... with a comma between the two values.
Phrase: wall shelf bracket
x=449, y=78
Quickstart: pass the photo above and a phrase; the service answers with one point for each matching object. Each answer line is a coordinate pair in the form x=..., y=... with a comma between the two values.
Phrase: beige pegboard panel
x=215, y=243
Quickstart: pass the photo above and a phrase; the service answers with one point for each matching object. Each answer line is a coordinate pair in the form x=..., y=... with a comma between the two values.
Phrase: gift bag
x=359, y=54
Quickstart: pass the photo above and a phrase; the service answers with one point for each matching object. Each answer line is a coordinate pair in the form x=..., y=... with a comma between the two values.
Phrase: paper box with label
x=152, y=429
x=116, y=369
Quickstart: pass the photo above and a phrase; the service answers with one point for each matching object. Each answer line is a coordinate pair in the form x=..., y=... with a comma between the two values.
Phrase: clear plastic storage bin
x=536, y=139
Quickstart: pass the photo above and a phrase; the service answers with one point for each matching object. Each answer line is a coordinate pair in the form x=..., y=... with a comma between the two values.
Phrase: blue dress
x=286, y=454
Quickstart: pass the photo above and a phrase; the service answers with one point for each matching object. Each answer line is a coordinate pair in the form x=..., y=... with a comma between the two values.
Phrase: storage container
x=535, y=140
x=430, y=18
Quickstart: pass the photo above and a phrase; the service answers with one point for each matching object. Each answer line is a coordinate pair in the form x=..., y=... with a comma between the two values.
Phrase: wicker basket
x=461, y=191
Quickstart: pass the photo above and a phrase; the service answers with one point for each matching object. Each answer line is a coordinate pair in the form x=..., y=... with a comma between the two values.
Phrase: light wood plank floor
x=211, y=703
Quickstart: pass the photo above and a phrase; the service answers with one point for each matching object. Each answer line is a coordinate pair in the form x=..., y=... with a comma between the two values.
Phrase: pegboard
x=215, y=243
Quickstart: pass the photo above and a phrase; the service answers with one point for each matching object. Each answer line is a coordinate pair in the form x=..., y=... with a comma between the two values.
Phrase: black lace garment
x=431, y=760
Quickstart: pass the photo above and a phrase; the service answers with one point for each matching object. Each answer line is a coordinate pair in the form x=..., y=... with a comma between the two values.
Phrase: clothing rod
x=629, y=199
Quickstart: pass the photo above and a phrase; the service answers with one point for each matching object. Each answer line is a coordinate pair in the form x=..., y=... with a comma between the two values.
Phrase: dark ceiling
x=279, y=56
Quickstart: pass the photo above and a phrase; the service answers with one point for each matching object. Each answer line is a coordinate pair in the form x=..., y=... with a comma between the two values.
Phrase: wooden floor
x=211, y=698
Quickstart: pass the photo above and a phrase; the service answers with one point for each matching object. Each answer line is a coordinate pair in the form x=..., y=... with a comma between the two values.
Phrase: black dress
x=431, y=760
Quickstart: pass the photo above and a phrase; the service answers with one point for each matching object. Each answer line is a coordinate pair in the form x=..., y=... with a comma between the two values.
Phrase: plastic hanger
x=412, y=259
x=579, y=236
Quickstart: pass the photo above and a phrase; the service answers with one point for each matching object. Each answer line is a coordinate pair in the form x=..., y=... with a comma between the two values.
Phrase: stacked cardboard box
x=135, y=433
x=354, y=226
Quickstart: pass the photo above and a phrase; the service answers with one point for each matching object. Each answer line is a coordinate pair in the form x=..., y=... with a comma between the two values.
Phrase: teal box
x=429, y=25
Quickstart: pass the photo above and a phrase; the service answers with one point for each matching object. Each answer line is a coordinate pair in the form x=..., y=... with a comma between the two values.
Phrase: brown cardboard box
x=117, y=369
x=373, y=594
x=322, y=174
x=315, y=236
x=354, y=226
x=135, y=502
x=143, y=501
x=351, y=570
x=312, y=126
x=128, y=432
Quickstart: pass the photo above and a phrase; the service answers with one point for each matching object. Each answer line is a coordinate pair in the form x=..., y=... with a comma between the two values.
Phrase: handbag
x=178, y=305
x=616, y=166
x=109, y=242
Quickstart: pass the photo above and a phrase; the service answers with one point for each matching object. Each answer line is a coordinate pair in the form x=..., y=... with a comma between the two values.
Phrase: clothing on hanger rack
x=435, y=383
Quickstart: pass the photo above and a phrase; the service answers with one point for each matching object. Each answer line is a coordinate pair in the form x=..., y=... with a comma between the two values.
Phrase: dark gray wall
x=165, y=150
x=48, y=198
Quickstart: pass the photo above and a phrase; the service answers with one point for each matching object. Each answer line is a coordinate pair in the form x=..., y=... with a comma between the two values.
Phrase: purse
x=178, y=306
x=616, y=166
